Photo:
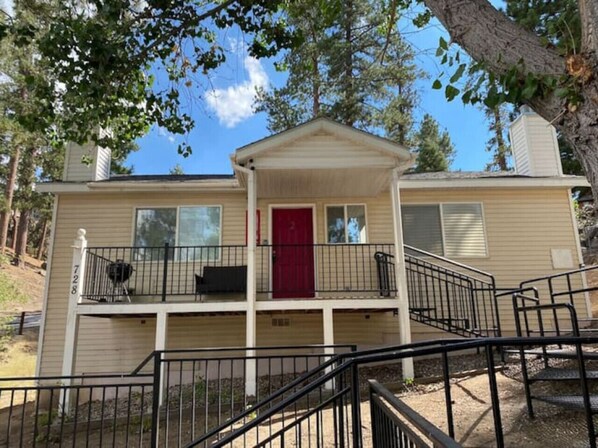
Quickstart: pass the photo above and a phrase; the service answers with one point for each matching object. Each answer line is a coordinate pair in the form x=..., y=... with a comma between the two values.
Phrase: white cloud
x=171, y=138
x=234, y=104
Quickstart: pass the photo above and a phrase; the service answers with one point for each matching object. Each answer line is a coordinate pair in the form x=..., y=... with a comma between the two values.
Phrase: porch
x=209, y=274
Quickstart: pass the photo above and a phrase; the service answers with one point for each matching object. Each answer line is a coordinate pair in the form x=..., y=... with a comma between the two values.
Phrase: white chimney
x=75, y=168
x=535, y=145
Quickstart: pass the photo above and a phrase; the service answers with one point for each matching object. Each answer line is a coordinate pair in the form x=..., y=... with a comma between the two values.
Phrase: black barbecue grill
x=119, y=274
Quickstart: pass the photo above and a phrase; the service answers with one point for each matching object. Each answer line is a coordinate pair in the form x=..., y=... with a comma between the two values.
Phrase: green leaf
x=457, y=75
x=437, y=85
x=443, y=44
x=451, y=92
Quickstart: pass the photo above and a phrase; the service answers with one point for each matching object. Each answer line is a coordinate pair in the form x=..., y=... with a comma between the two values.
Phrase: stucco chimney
x=75, y=168
x=535, y=145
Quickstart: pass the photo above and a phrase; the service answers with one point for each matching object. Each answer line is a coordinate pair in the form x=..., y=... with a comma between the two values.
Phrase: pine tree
x=435, y=151
x=353, y=66
x=498, y=144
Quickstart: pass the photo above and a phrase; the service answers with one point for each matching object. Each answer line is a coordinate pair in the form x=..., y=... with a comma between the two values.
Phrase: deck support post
x=250, y=321
x=71, y=332
x=400, y=274
x=159, y=345
x=328, y=330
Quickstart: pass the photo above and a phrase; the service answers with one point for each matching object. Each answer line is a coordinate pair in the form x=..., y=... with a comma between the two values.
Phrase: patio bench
x=221, y=280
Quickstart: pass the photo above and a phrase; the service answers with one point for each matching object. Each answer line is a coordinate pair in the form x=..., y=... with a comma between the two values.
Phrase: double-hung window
x=192, y=228
x=451, y=229
x=346, y=224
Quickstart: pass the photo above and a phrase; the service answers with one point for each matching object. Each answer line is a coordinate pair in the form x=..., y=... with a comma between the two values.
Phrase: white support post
x=328, y=323
x=400, y=274
x=160, y=344
x=72, y=318
x=250, y=329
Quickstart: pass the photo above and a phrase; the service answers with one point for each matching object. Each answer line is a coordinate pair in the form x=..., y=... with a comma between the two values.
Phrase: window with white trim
x=346, y=224
x=451, y=229
x=179, y=226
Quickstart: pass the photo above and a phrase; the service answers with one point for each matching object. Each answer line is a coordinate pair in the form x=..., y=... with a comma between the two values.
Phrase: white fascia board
x=132, y=186
x=567, y=182
x=160, y=186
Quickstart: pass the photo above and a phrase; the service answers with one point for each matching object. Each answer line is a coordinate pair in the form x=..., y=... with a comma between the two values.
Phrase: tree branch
x=488, y=35
x=588, y=12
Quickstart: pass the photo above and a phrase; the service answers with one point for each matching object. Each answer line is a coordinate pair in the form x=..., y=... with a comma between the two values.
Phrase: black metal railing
x=169, y=399
x=449, y=295
x=396, y=424
x=302, y=270
x=568, y=287
x=91, y=410
x=153, y=273
x=523, y=306
x=323, y=407
x=203, y=388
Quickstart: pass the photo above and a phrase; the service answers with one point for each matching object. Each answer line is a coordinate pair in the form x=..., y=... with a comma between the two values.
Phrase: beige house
x=303, y=244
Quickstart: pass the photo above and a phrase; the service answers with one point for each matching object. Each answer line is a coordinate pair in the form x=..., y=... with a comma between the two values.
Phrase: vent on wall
x=281, y=322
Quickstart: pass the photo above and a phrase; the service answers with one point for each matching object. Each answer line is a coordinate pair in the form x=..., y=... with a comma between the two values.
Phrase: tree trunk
x=22, y=234
x=42, y=241
x=9, y=190
x=350, y=101
x=15, y=224
x=501, y=155
x=488, y=35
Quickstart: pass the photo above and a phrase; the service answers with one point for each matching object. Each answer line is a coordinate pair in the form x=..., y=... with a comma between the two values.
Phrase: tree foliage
x=352, y=66
x=435, y=151
x=103, y=55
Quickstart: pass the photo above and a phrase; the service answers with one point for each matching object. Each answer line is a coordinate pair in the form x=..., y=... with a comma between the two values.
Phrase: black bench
x=221, y=280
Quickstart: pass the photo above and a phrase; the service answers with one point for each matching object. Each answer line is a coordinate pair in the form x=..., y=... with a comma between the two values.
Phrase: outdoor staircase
x=561, y=364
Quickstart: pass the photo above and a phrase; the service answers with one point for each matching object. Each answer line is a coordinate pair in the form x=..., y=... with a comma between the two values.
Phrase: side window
x=346, y=224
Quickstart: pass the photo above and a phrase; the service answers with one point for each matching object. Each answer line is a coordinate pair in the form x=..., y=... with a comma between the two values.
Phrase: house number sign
x=75, y=280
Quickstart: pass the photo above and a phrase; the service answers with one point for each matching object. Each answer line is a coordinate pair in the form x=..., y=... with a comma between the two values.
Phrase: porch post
x=72, y=318
x=250, y=329
x=400, y=274
x=328, y=323
x=160, y=344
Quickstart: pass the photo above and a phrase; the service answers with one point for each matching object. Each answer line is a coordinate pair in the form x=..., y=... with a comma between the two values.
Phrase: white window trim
x=442, y=231
x=178, y=211
x=345, y=205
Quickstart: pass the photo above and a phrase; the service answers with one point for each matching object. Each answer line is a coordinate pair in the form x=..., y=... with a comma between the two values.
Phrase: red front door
x=292, y=253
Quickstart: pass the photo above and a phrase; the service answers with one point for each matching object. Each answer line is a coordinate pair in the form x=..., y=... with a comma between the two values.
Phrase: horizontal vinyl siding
x=320, y=151
x=108, y=220
x=75, y=170
x=520, y=148
x=522, y=226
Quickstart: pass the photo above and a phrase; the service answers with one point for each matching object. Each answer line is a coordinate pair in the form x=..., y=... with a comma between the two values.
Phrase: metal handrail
x=432, y=432
x=448, y=260
x=393, y=354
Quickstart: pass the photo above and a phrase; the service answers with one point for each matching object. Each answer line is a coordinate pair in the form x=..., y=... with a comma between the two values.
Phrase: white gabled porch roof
x=321, y=158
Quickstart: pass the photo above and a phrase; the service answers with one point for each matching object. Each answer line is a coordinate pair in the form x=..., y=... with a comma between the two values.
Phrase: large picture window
x=192, y=227
x=346, y=224
x=452, y=230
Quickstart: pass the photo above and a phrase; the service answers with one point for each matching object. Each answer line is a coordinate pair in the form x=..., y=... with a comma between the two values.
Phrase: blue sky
x=224, y=119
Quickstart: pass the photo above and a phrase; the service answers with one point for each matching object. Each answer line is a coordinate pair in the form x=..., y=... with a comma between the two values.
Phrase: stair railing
x=450, y=295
